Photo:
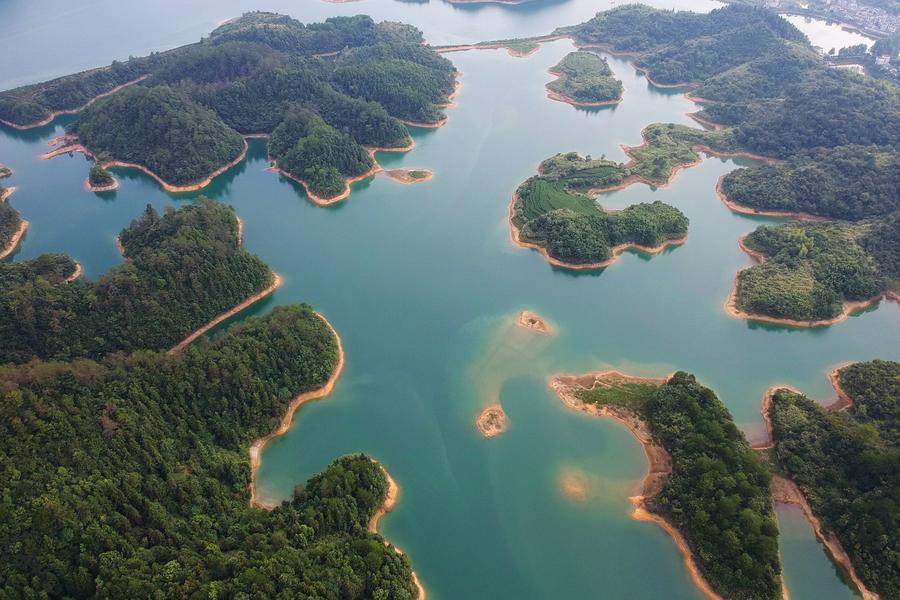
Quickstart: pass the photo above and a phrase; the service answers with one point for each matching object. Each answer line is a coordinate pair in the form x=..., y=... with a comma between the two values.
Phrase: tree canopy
x=184, y=268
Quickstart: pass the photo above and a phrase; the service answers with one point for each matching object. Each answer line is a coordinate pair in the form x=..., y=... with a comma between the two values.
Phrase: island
x=553, y=213
x=140, y=460
x=584, y=79
x=5, y=171
x=327, y=95
x=99, y=180
x=845, y=464
x=492, y=421
x=812, y=274
x=12, y=226
x=533, y=322
x=184, y=268
x=409, y=176
x=706, y=487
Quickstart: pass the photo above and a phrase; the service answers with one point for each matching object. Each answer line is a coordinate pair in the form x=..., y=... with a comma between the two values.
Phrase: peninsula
x=175, y=422
x=584, y=79
x=184, y=268
x=690, y=469
x=12, y=226
x=844, y=464
x=814, y=274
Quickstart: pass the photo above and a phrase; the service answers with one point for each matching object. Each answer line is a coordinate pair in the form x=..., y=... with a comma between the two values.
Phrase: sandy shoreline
x=615, y=250
x=101, y=188
x=17, y=236
x=126, y=165
x=256, y=448
x=73, y=111
x=404, y=176
x=849, y=308
x=500, y=46
x=570, y=100
x=348, y=182
x=276, y=282
x=492, y=421
x=390, y=501
x=785, y=491
x=533, y=322
x=75, y=274
x=660, y=462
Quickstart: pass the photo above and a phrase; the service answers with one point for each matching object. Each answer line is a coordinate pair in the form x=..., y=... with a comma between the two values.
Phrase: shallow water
x=423, y=284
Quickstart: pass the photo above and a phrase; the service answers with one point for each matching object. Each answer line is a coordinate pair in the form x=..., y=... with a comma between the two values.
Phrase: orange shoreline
x=319, y=200
x=276, y=282
x=101, y=188
x=533, y=322
x=75, y=274
x=404, y=176
x=785, y=491
x=72, y=111
x=390, y=501
x=126, y=165
x=849, y=309
x=575, y=102
x=500, y=46
x=615, y=250
x=256, y=448
x=492, y=421
x=17, y=236
x=660, y=462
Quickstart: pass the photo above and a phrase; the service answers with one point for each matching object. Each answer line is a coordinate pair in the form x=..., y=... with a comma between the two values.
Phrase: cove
x=423, y=285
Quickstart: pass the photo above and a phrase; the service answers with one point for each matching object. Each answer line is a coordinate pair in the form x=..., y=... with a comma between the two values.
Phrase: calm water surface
x=423, y=283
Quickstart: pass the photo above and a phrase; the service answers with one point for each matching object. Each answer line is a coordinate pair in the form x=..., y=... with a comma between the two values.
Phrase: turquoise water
x=423, y=283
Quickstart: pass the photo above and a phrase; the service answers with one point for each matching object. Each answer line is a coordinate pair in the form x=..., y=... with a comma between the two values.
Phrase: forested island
x=332, y=91
x=816, y=273
x=584, y=79
x=705, y=483
x=183, y=268
x=554, y=213
x=99, y=180
x=128, y=477
x=847, y=464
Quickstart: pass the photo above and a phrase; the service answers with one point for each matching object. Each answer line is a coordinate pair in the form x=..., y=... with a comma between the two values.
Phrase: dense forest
x=33, y=103
x=184, y=268
x=848, y=466
x=161, y=129
x=847, y=182
x=717, y=494
x=812, y=269
x=100, y=177
x=555, y=210
x=776, y=97
x=585, y=77
x=182, y=121
x=9, y=221
x=128, y=477
x=305, y=146
x=551, y=212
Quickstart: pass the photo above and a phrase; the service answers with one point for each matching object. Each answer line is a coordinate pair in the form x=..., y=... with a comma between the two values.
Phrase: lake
x=423, y=284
